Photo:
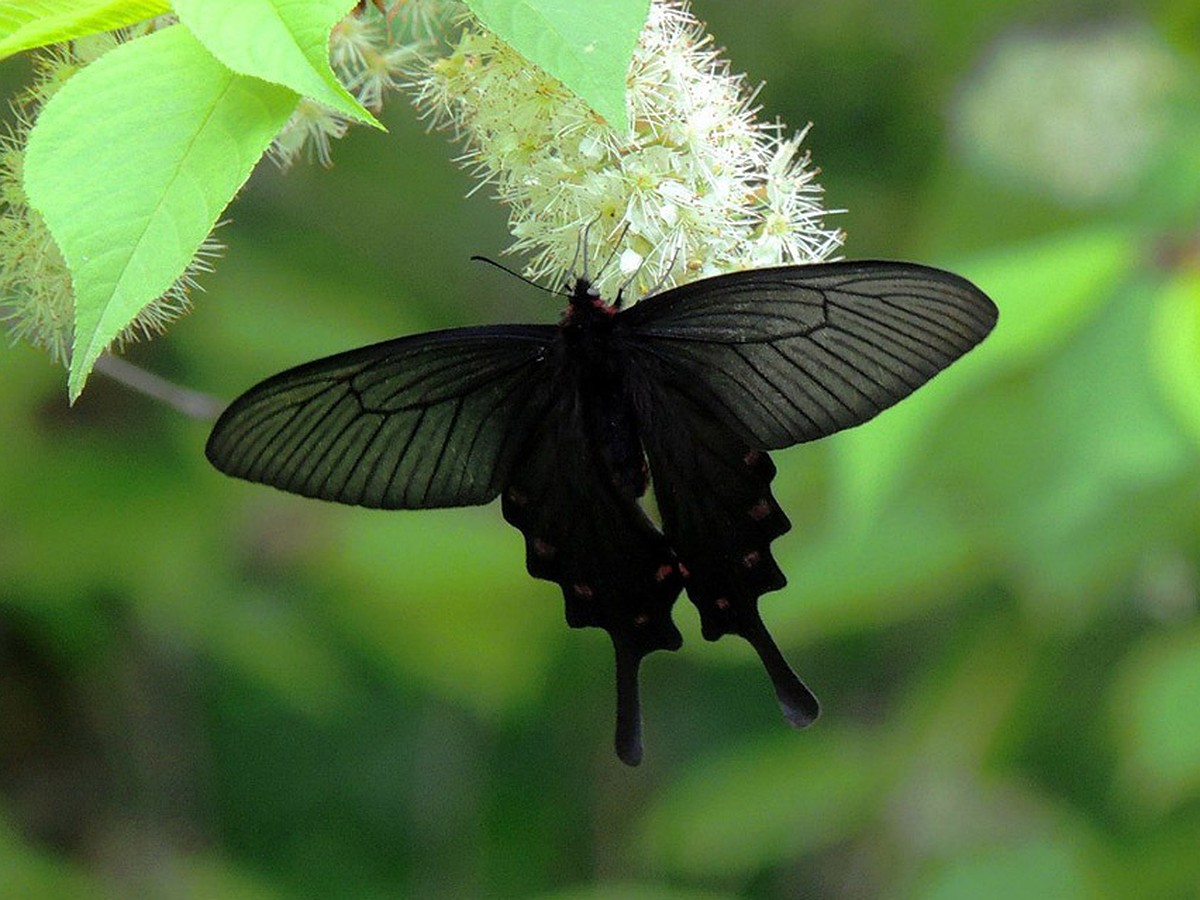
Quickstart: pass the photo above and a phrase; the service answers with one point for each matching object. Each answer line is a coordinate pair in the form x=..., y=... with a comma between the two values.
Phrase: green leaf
x=1179, y=23
x=1073, y=508
x=1044, y=292
x=1176, y=353
x=25, y=24
x=278, y=41
x=130, y=187
x=35, y=871
x=490, y=657
x=1158, y=719
x=921, y=558
x=629, y=890
x=588, y=52
x=1045, y=866
x=759, y=805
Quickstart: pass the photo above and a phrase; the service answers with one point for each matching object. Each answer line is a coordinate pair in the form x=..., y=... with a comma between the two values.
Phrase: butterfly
x=569, y=424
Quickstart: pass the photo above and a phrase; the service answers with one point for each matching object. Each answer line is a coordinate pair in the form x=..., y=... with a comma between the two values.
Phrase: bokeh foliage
x=208, y=688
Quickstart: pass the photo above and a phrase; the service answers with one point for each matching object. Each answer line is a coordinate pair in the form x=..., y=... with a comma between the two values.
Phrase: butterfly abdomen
x=608, y=415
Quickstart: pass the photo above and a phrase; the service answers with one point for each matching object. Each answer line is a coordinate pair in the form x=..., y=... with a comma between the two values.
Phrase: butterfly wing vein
x=428, y=421
x=785, y=356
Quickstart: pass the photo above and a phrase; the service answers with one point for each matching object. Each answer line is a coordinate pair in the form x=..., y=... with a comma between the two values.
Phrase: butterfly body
x=571, y=424
x=587, y=353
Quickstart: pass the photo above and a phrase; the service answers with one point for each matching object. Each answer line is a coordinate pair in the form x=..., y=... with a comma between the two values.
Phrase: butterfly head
x=587, y=305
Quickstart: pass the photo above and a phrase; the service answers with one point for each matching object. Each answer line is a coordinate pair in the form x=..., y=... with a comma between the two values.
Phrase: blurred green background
x=211, y=689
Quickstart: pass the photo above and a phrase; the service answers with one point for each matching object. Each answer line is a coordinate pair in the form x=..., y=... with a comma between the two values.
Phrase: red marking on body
x=752, y=457
x=760, y=510
x=583, y=591
x=721, y=603
x=751, y=559
x=515, y=496
x=683, y=572
x=543, y=549
x=664, y=572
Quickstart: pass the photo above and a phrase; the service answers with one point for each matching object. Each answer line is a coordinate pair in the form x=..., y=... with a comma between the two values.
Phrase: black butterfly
x=560, y=420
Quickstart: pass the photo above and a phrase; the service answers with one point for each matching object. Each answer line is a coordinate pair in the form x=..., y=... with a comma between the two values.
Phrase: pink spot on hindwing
x=760, y=510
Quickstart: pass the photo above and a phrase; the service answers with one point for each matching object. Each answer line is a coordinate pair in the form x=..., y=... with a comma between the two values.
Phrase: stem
x=194, y=404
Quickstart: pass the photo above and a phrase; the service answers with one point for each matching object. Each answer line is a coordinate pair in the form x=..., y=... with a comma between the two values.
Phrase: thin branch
x=194, y=404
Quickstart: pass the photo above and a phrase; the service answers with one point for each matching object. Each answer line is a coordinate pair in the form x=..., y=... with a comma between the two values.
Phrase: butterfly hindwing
x=424, y=421
x=584, y=530
x=796, y=353
x=714, y=496
x=723, y=369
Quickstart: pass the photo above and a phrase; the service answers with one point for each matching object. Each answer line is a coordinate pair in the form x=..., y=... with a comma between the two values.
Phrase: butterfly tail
x=799, y=705
x=628, y=738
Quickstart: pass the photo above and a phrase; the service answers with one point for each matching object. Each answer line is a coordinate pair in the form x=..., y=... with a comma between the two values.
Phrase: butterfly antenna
x=616, y=246
x=666, y=275
x=629, y=708
x=517, y=275
x=581, y=251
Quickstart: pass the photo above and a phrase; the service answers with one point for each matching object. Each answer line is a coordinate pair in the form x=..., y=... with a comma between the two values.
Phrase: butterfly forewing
x=796, y=353
x=425, y=421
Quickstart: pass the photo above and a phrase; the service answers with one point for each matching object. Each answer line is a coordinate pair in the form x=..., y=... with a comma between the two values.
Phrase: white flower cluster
x=1084, y=118
x=699, y=186
x=368, y=50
